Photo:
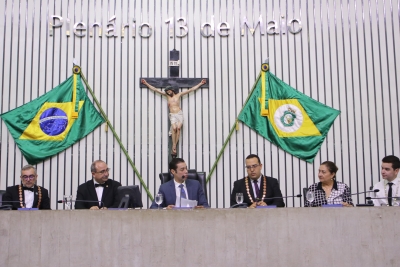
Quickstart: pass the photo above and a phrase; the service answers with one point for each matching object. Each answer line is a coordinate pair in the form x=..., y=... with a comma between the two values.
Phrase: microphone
x=270, y=198
x=359, y=193
x=370, y=191
x=367, y=204
x=368, y=198
x=85, y=201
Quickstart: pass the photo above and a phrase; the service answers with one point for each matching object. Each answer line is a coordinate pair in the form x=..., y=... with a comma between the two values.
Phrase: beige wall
x=215, y=237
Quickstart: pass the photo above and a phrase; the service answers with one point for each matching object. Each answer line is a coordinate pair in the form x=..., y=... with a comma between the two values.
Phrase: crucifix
x=171, y=87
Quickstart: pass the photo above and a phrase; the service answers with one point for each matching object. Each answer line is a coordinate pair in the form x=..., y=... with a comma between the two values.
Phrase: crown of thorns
x=170, y=88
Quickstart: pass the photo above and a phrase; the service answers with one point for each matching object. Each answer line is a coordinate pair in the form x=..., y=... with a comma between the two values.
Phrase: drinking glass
x=159, y=199
x=310, y=196
x=396, y=201
x=68, y=201
x=239, y=198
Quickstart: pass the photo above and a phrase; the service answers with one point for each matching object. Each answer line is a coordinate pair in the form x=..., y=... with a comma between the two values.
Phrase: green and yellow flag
x=286, y=117
x=54, y=121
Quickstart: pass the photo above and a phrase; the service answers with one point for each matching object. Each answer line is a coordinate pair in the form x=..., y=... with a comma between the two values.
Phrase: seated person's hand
x=170, y=207
x=345, y=204
x=199, y=207
x=104, y=208
x=94, y=208
x=261, y=203
x=252, y=206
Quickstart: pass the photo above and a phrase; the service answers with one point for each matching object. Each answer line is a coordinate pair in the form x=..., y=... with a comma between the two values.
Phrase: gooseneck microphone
x=368, y=198
x=244, y=205
x=367, y=204
x=84, y=201
x=270, y=198
x=369, y=191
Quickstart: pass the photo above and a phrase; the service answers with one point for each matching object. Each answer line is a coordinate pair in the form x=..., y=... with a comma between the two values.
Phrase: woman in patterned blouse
x=328, y=190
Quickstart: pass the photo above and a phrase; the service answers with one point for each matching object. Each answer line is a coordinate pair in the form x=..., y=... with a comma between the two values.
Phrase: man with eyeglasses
x=99, y=192
x=27, y=194
x=257, y=189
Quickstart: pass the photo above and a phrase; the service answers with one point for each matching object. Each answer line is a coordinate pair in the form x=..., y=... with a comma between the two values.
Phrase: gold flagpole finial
x=265, y=65
x=76, y=70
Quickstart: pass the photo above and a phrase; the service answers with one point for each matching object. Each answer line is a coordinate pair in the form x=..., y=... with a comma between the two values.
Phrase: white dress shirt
x=178, y=190
x=29, y=197
x=99, y=191
x=384, y=191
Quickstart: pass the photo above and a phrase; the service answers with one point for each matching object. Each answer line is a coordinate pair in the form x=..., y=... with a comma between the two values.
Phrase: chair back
x=2, y=192
x=192, y=174
x=305, y=190
x=4, y=207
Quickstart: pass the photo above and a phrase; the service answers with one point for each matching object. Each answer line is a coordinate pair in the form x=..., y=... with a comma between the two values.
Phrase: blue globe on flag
x=53, y=121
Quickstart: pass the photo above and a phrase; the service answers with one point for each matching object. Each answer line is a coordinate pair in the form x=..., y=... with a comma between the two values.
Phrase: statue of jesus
x=175, y=112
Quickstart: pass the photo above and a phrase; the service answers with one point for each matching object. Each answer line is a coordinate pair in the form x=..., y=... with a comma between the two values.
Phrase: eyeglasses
x=26, y=177
x=104, y=171
x=252, y=166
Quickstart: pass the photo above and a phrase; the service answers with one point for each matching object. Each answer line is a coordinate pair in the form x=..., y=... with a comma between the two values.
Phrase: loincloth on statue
x=175, y=118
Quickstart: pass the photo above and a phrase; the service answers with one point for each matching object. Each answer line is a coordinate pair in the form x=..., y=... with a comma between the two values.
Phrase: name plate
x=266, y=207
x=332, y=206
x=28, y=209
x=182, y=208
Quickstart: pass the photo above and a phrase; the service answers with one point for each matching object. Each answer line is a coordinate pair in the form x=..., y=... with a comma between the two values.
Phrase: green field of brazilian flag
x=54, y=121
x=286, y=117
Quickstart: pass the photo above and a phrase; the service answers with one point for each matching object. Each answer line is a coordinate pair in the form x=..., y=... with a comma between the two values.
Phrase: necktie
x=257, y=189
x=183, y=193
x=28, y=188
x=390, y=194
x=102, y=185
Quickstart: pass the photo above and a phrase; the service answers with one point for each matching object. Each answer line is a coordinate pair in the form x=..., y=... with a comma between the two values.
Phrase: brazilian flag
x=54, y=121
x=291, y=120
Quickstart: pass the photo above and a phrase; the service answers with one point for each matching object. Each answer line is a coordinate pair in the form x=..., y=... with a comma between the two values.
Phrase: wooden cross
x=174, y=81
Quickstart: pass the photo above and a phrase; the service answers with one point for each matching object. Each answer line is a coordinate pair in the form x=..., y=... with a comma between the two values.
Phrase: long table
x=366, y=236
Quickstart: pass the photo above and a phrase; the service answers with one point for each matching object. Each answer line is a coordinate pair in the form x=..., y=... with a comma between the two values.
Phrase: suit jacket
x=86, y=191
x=12, y=194
x=273, y=190
x=195, y=192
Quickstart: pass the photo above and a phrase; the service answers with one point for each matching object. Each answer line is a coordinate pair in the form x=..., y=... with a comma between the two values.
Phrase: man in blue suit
x=180, y=187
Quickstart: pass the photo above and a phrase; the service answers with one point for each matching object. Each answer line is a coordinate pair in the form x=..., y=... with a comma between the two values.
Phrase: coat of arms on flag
x=286, y=117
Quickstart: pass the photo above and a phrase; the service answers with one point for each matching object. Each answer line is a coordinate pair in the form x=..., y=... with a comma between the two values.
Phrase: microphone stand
x=368, y=198
x=270, y=198
x=85, y=201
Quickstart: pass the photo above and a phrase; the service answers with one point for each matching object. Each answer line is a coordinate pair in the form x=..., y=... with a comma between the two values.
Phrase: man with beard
x=175, y=112
x=257, y=189
x=27, y=193
x=99, y=192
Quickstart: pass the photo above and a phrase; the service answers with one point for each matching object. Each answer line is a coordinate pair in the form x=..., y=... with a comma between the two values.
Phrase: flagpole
x=231, y=131
x=115, y=134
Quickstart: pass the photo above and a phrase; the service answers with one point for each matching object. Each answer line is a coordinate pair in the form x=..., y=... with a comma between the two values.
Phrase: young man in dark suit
x=180, y=186
x=257, y=189
x=28, y=194
x=99, y=192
